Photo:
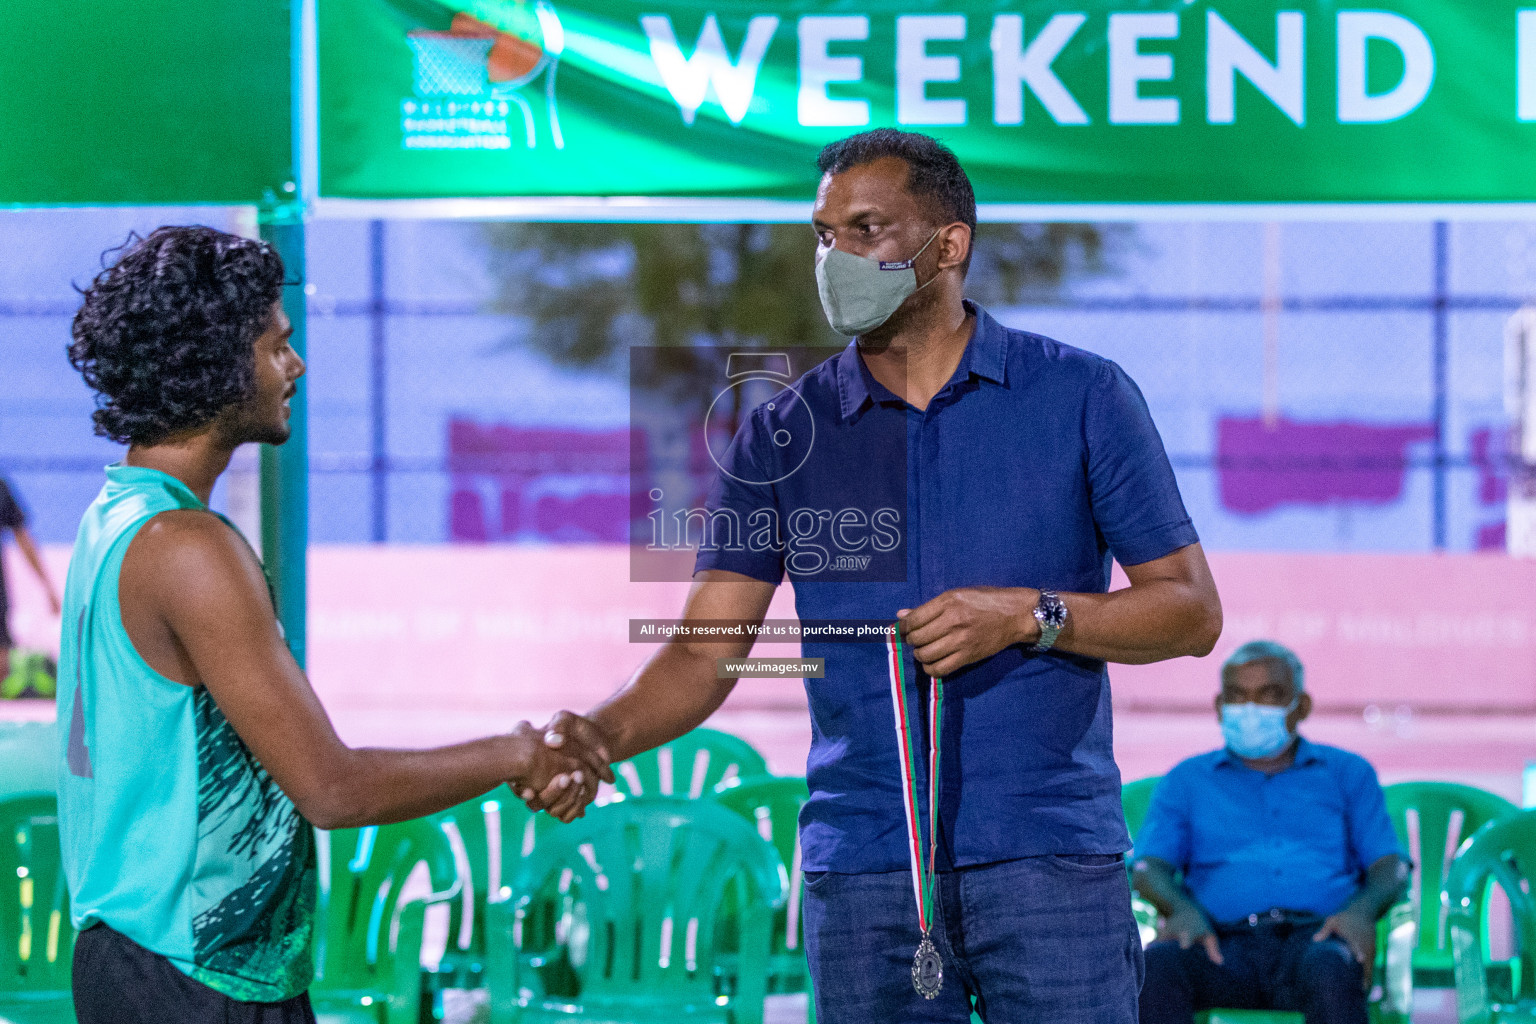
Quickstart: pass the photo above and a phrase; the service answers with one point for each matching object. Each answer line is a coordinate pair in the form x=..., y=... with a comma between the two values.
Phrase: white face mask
x=859, y=293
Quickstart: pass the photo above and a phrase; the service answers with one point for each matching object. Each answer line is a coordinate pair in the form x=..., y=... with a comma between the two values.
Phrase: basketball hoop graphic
x=478, y=62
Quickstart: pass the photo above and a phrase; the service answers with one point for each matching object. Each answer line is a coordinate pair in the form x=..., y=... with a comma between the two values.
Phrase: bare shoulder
x=189, y=533
x=191, y=554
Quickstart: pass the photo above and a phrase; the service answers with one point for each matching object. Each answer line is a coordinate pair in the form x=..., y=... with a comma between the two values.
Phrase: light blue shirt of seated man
x=1249, y=841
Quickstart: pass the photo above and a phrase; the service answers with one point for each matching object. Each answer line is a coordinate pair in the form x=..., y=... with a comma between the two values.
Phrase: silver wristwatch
x=1051, y=613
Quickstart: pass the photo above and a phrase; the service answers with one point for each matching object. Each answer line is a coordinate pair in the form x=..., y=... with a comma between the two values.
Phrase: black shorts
x=118, y=981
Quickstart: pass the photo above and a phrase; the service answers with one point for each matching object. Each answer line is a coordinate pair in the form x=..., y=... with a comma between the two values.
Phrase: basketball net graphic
x=476, y=60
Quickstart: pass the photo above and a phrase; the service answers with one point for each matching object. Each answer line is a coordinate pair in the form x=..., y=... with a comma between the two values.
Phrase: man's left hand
x=1359, y=933
x=968, y=624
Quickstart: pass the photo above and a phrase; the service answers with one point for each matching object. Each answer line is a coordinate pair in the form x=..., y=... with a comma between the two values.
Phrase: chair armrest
x=400, y=973
x=399, y=958
x=1146, y=919
x=1398, y=934
x=1472, y=1006
x=503, y=962
x=752, y=967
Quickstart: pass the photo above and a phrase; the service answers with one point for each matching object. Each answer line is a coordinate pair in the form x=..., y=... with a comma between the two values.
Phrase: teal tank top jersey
x=172, y=833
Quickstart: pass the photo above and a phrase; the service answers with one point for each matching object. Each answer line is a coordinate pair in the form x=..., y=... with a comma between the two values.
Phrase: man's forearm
x=1386, y=883
x=1156, y=883
x=675, y=691
x=1170, y=610
x=1142, y=623
x=1139, y=624
x=34, y=557
x=376, y=786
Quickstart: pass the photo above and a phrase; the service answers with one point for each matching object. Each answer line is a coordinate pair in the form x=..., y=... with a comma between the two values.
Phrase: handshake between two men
x=560, y=767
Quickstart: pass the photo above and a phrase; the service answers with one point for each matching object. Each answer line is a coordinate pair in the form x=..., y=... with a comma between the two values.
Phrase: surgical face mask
x=859, y=293
x=1256, y=731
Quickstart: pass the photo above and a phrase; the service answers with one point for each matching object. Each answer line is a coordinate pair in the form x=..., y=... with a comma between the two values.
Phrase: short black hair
x=934, y=173
x=165, y=332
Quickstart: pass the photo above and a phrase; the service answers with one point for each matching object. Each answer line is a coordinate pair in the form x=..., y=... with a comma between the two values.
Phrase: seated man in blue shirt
x=1288, y=859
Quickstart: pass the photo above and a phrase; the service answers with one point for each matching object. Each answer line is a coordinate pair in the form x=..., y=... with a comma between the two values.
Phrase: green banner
x=145, y=101
x=1045, y=101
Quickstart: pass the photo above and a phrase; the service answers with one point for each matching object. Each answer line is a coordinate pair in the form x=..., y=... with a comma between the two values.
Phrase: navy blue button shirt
x=1031, y=467
x=1247, y=842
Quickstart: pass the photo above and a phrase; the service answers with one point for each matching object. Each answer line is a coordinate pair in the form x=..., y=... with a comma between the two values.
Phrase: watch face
x=1053, y=612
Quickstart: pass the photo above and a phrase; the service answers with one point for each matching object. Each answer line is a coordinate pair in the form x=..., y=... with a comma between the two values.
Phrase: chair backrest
x=489, y=834
x=691, y=766
x=36, y=937
x=1502, y=851
x=1136, y=798
x=362, y=873
x=29, y=757
x=1432, y=820
x=638, y=887
x=772, y=804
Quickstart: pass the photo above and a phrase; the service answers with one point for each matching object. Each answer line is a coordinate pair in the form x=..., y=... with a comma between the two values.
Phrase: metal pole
x=1270, y=304
x=378, y=463
x=285, y=469
x=1441, y=383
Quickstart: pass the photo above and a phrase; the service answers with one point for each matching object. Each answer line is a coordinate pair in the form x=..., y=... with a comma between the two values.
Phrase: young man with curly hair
x=196, y=756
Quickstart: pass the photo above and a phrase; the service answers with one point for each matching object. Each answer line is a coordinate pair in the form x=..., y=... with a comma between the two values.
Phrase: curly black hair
x=165, y=333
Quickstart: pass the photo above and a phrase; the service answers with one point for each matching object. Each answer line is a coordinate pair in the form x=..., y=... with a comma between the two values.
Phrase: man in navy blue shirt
x=980, y=481
x=1288, y=859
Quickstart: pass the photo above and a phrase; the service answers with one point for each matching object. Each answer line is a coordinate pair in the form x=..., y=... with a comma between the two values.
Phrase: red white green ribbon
x=906, y=751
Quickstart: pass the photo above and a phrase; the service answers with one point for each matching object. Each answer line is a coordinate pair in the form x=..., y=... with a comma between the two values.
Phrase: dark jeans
x=1271, y=965
x=1032, y=940
x=118, y=981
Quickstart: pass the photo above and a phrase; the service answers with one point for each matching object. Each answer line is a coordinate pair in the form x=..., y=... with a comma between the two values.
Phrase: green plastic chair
x=476, y=830
x=491, y=835
x=1432, y=820
x=691, y=766
x=1502, y=851
x=617, y=917
x=368, y=949
x=772, y=804
x=1135, y=799
x=29, y=758
x=37, y=940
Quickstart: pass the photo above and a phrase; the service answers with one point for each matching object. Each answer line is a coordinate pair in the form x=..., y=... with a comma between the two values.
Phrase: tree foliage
x=592, y=292
x=593, y=289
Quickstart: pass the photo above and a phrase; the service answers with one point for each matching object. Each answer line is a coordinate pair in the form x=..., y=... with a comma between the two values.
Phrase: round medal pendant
x=927, y=970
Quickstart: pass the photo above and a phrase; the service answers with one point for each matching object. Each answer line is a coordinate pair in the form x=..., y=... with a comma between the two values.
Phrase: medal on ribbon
x=927, y=965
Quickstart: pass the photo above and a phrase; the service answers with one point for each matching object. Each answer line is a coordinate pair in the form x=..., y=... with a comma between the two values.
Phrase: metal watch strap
x=1048, y=631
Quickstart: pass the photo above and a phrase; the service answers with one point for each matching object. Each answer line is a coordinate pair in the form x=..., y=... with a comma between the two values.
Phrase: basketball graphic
x=493, y=55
